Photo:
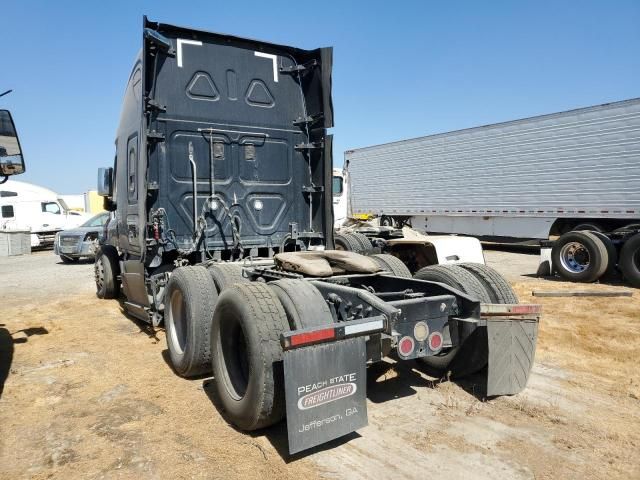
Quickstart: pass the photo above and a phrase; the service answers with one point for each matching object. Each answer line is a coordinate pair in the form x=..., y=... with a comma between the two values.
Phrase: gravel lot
x=88, y=394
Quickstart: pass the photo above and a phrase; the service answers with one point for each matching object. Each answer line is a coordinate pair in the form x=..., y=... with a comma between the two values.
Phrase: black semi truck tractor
x=223, y=232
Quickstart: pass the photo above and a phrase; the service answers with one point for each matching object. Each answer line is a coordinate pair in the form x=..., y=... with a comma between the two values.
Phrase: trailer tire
x=189, y=301
x=106, y=269
x=630, y=260
x=612, y=253
x=247, y=355
x=226, y=274
x=591, y=227
x=386, y=221
x=498, y=288
x=457, y=277
x=630, y=227
x=391, y=264
x=572, y=250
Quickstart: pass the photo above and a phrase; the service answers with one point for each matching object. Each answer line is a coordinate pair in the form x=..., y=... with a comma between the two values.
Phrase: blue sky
x=401, y=69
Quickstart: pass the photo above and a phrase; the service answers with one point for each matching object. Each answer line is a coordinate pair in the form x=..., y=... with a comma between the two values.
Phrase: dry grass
x=93, y=398
x=597, y=337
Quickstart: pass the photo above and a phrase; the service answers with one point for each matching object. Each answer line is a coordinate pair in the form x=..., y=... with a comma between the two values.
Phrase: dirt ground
x=85, y=392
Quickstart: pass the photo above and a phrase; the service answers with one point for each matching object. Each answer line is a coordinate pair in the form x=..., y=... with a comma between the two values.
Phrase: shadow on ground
x=386, y=380
x=276, y=434
x=7, y=342
x=146, y=328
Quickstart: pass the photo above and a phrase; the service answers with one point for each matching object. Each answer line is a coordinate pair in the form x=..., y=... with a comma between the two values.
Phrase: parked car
x=80, y=242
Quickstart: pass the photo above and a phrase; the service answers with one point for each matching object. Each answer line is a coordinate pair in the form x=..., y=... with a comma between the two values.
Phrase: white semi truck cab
x=24, y=206
x=340, y=193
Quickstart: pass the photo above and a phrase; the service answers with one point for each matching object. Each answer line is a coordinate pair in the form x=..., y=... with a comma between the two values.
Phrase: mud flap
x=325, y=388
x=512, y=347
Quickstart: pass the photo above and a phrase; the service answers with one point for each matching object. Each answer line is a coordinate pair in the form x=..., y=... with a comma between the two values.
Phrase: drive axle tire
x=106, y=269
x=352, y=242
x=226, y=274
x=579, y=256
x=247, y=356
x=460, y=279
x=303, y=303
x=498, y=288
x=456, y=277
x=391, y=264
x=630, y=260
x=363, y=240
x=189, y=302
x=344, y=241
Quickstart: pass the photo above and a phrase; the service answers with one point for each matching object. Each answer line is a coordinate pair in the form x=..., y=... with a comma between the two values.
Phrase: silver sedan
x=82, y=241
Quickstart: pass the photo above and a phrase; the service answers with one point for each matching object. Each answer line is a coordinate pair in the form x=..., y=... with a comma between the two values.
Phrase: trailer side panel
x=581, y=163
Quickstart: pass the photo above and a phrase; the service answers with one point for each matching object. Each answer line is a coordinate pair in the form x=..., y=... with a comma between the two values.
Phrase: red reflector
x=312, y=337
x=435, y=341
x=405, y=346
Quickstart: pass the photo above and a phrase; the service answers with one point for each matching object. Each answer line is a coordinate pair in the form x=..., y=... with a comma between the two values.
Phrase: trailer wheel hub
x=574, y=257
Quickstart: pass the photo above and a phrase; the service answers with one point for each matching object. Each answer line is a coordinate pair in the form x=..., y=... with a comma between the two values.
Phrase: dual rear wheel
x=217, y=321
x=352, y=242
x=247, y=356
x=583, y=256
x=478, y=281
x=630, y=260
x=189, y=302
x=586, y=256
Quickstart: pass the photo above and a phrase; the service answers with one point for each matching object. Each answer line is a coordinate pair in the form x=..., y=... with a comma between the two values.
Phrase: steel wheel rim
x=574, y=257
x=176, y=323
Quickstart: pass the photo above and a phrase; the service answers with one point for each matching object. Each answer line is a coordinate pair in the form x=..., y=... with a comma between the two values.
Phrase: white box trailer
x=524, y=179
